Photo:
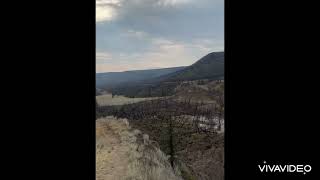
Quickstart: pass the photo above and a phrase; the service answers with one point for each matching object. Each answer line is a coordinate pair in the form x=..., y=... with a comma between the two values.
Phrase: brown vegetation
x=189, y=132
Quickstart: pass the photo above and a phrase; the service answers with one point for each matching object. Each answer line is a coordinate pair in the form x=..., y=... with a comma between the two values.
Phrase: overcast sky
x=144, y=34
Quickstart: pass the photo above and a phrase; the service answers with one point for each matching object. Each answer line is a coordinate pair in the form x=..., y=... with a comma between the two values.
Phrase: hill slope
x=210, y=66
x=124, y=153
x=110, y=79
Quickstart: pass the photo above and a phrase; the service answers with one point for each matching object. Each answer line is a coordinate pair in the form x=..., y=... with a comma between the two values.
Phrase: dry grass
x=104, y=100
x=126, y=154
x=199, y=156
x=198, y=93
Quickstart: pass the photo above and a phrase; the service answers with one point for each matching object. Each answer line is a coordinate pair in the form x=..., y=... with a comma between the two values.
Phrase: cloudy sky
x=144, y=34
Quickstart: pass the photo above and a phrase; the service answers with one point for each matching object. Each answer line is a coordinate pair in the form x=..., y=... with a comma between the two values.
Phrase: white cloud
x=148, y=34
x=135, y=34
x=104, y=13
x=102, y=57
x=164, y=53
x=106, y=9
x=161, y=41
x=172, y=2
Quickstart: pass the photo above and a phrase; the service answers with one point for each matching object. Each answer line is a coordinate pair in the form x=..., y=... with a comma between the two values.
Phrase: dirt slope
x=123, y=154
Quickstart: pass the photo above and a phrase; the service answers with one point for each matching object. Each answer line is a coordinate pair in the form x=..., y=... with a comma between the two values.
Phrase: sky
x=150, y=34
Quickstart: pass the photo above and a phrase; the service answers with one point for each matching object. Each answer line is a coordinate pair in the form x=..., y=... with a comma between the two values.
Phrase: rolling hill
x=210, y=66
x=162, y=82
x=111, y=79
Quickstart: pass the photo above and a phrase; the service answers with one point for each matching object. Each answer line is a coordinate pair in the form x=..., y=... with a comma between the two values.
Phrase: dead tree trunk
x=171, y=145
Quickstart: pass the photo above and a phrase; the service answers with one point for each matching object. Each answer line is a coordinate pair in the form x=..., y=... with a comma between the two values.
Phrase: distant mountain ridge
x=110, y=79
x=210, y=67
